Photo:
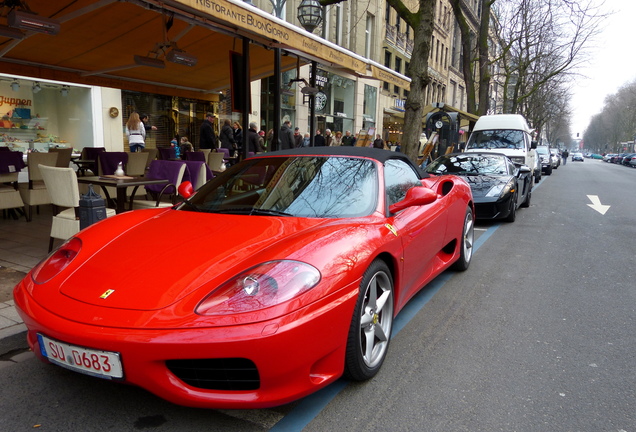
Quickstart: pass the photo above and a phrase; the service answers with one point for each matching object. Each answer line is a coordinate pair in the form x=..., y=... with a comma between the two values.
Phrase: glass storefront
x=173, y=117
x=370, y=104
x=38, y=115
x=335, y=102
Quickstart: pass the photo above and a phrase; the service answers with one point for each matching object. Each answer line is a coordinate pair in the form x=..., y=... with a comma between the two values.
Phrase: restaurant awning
x=99, y=39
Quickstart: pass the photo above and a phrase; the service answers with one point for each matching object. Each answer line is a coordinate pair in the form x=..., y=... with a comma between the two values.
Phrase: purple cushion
x=91, y=153
x=12, y=159
x=195, y=156
x=194, y=167
x=168, y=153
x=109, y=161
x=164, y=169
x=226, y=153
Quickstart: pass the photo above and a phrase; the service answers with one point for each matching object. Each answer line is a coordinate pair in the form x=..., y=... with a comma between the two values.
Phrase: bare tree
x=616, y=124
x=476, y=54
x=543, y=43
x=421, y=21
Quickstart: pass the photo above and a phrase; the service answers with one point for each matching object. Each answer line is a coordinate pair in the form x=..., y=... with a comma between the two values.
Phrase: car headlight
x=56, y=262
x=501, y=190
x=260, y=287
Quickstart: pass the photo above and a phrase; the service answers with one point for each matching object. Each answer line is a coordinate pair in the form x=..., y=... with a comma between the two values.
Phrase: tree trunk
x=418, y=71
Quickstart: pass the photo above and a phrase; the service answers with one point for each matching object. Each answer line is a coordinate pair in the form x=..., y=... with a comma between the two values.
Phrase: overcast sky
x=612, y=65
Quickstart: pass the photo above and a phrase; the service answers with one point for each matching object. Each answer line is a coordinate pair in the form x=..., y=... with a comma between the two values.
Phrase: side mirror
x=522, y=169
x=416, y=196
x=186, y=190
x=533, y=144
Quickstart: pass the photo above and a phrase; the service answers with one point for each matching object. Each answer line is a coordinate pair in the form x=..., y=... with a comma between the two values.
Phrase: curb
x=13, y=339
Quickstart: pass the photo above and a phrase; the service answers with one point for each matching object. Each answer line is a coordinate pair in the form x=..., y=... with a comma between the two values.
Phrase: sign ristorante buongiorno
x=250, y=21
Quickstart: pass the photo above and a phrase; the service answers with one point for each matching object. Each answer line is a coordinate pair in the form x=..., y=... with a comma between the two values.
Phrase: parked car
x=507, y=134
x=618, y=159
x=556, y=157
x=547, y=164
x=608, y=157
x=628, y=158
x=499, y=186
x=577, y=157
x=273, y=280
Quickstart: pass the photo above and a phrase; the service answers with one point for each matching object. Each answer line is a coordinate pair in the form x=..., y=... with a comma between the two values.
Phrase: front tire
x=370, y=330
x=512, y=215
x=467, y=241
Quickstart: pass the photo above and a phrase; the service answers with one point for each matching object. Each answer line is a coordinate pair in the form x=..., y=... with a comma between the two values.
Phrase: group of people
x=294, y=139
x=230, y=136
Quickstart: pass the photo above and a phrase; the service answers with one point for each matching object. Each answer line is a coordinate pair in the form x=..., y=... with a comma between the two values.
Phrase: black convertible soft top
x=368, y=152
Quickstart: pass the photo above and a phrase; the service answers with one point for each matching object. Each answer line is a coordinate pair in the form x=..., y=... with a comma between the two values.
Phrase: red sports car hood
x=163, y=258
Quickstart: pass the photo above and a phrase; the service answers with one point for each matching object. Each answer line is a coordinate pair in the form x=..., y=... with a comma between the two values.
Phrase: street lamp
x=310, y=14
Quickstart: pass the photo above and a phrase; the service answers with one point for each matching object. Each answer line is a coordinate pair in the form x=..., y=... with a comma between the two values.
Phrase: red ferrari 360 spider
x=270, y=282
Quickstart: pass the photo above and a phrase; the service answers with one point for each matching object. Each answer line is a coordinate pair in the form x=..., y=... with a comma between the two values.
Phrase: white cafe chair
x=64, y=192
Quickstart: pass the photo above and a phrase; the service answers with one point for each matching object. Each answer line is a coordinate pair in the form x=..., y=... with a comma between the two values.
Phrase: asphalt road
x=538, y=335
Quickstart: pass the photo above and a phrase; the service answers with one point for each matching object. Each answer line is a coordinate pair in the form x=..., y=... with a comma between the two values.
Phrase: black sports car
x=499, y=185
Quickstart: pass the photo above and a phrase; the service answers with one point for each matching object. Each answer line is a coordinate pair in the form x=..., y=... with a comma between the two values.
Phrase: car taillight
x=56, y=262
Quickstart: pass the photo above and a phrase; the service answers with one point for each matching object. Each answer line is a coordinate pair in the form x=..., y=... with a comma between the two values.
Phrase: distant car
x=499, y=185
x=547, y=165
x=577, y=157
x=619, y=158
x=632, y=163
x=556, y=157
x=628, y=158
x=596, y=156
x=608, y=157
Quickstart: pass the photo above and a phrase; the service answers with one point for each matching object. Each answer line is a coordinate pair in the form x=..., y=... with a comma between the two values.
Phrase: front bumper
x=294, y=355
x=492, y=208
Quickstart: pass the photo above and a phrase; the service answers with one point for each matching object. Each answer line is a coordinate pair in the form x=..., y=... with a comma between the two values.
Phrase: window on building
x=339, y=25
x=368, y=34
x=387, y=63
x=325, y=23
x=437, y=52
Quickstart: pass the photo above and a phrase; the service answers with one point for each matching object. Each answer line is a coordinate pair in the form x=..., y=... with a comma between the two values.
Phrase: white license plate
x=102, y=364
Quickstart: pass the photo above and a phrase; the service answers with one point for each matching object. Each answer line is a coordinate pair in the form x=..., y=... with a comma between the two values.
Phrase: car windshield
x=469, y=164
x=301, y=186
x=496, y=139
x=543, y=150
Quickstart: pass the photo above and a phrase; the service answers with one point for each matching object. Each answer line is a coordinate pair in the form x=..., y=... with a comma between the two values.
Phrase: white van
x=507, y=134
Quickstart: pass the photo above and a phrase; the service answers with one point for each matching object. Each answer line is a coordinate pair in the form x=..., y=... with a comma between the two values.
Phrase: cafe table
x=120, y=183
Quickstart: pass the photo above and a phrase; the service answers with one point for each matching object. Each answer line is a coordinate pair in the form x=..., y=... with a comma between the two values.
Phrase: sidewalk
x=22, y=245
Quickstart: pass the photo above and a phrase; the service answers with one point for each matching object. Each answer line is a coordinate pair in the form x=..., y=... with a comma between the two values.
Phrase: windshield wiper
x=270, y=212
x=192, y=205
x=253, y=211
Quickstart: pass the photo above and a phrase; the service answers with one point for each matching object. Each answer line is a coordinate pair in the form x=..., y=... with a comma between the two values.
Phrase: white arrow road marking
x=596, y=204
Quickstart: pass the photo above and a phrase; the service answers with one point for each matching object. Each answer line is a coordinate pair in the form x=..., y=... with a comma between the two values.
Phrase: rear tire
x=467, y=241
x=370, y=330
